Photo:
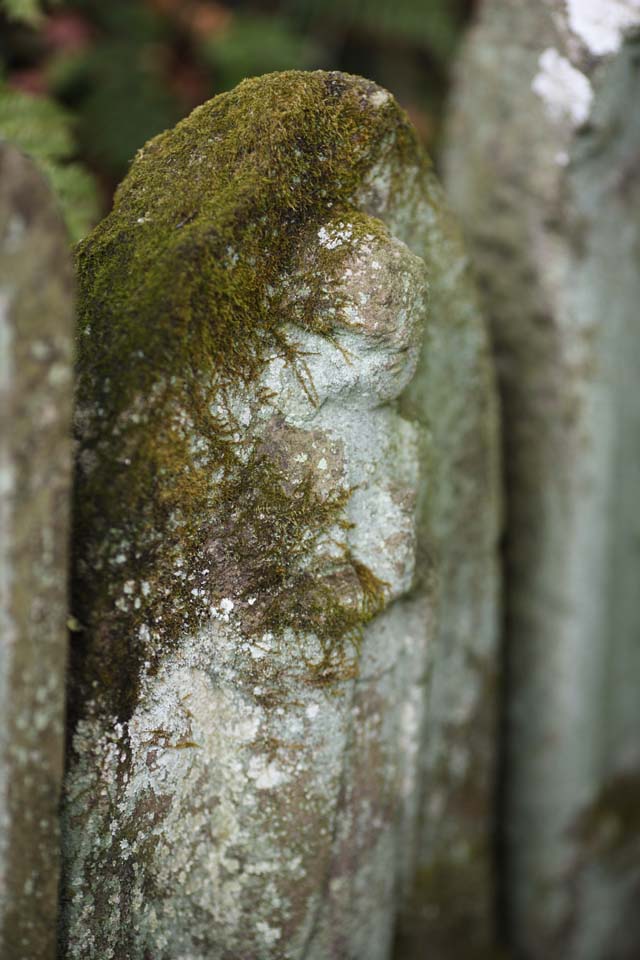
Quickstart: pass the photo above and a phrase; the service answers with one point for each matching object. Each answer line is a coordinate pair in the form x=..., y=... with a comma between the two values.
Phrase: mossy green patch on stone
x=184, y=295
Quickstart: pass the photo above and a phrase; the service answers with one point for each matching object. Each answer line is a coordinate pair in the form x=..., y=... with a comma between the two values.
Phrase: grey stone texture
x=36, y=324
x=284, y=696
x=542, y=167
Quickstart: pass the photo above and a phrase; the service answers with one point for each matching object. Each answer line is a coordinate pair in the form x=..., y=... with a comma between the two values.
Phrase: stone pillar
x=35, y=462
x=449, y=902
x=286, y=514
x=542, y=166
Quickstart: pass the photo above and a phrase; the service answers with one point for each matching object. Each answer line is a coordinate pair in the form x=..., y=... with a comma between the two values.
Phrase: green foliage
x=124, y=99
x=35, y=124
x=76, y=192
x=434, y=24
x=123, y=108
x=254, y=45
x=127, y=69
x=42, y=129
x=26, y=11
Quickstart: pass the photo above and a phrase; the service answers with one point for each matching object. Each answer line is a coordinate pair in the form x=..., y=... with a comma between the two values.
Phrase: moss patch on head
x=184, y=293
x=184, y=273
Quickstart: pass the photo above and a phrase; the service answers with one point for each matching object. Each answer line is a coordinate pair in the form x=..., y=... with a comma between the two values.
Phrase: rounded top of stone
x=185, y=271
x=315, y=133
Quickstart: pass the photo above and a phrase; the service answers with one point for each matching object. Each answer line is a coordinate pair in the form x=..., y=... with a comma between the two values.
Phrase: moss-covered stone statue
x=282, y=702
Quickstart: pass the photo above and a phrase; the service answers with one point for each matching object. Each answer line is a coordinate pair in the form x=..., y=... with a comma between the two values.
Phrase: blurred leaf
x=127, y=103
x=435, y=24
x=32, y=80
x=127, y=69
x=76, y=190
x=200, y=17
x=253, y=45
x=36, y=125
x=67, y=31
x=42, y=129
x=66, y=73
x=207, y=19
x=120, y=91
x=27, y=11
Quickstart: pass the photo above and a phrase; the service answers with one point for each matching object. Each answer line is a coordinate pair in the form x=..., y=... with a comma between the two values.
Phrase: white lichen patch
x=564, y=90
x=266, y=773
x=190, y=815
x=336, y=236
x=379, y=98
x=601, y=24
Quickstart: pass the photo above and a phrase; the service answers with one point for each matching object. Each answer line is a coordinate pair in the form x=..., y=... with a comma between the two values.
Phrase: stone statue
x=286, y=516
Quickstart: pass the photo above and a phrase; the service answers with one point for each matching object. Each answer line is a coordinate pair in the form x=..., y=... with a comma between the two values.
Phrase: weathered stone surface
x=543, y=168
x=450, y=903
x=285, y=559
x=35, y=474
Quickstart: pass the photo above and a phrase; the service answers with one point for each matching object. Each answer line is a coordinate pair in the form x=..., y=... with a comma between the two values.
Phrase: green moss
x=182, y=296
